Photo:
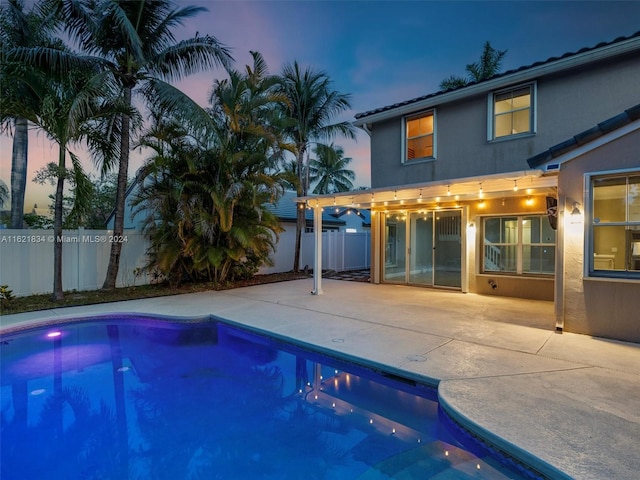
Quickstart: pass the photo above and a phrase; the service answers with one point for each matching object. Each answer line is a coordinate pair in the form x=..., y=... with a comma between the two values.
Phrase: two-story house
x=526, y=184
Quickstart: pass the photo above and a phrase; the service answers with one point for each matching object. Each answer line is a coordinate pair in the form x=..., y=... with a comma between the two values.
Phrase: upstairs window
x=419, y=141
x=512, y=112
x=615, y=226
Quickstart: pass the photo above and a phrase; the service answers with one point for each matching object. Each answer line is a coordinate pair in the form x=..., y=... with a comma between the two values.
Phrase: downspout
x=560, y=264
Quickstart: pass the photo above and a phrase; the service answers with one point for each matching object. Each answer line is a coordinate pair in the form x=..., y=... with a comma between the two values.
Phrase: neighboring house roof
x=603, y=50
x=285, y=210
x=614, y=123
x=365, y=215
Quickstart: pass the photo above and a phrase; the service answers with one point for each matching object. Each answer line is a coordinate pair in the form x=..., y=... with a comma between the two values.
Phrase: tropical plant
x=19, y=28
x=204, y=197
x=487, y=66
x=4, y=193
x=311, y=108
x=329, y=170
x=99, y=204
x=72, y=108
x=135, y=41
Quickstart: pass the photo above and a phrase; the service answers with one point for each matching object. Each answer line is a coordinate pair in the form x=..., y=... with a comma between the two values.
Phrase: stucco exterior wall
x=593, y=305
x=522, y=286
x=566, y=104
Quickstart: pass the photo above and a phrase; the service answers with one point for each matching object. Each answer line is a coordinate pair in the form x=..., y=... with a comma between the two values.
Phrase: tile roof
x=630, y=115
x=499, y=75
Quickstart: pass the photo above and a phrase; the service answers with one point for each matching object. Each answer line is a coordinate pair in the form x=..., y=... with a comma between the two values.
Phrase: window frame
x=589, y=248
x=405, y=140
x=491, y=114
x=519, y=246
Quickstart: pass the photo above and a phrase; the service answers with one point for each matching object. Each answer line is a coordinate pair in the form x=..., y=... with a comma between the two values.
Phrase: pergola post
x=317, y=257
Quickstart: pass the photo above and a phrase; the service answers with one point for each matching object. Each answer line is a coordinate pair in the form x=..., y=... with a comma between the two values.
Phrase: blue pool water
x=137, y=398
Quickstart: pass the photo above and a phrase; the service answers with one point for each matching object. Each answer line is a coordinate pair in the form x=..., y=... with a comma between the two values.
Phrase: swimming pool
x=133, y=397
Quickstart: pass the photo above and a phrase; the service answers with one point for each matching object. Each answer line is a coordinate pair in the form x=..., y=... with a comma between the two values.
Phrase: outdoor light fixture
x=448, y=190
x=575, y=210
x=481, y=193
x=515, y=185
x=529, y=201
x=395, y=195
x=420, y=196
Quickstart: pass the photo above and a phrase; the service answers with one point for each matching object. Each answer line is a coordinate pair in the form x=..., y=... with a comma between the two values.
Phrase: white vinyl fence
x=340, y=251
x=26, y=257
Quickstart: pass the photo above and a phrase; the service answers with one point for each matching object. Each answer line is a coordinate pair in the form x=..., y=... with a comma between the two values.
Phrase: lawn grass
x=44, y=302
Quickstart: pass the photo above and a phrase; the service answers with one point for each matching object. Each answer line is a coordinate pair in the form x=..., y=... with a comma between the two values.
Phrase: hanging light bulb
x=481, y=192
x=420, y=196
x=448, y=190
x=515, y=185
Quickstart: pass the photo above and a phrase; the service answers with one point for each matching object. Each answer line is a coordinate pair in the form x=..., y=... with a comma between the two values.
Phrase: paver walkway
x=569, y=404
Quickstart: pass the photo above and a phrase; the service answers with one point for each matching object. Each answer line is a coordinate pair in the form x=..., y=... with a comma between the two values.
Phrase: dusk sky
x=380, y=52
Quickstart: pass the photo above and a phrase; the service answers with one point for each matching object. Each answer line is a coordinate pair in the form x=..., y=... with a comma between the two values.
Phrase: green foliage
x=204, y=196
x=98, y=206
x=6, y=296
x=487, y=66
x=330, y=170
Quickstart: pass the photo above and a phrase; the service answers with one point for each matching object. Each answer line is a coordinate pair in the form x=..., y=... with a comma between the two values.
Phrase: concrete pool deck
x=565, y=401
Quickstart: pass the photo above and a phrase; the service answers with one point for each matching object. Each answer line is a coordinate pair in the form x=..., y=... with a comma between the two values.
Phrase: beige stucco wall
x=521, y=286
x=532, y=287
x=595, y=306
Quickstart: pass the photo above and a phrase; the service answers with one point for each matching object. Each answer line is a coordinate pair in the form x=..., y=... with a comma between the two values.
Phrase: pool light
x=55, y=334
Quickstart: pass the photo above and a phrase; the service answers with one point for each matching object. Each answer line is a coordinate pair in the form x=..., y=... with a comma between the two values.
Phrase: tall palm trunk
x=121, y=190
x=57, y=229
x=19, y=171
x=300, y=211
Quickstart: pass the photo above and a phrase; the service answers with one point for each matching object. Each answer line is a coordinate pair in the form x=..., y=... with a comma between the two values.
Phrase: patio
x=556, y=400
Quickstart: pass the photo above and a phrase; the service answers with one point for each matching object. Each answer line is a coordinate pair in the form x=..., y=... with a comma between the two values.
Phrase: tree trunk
x=57, y=230
x=300, y=210
x=19, y=171
x=121, y=190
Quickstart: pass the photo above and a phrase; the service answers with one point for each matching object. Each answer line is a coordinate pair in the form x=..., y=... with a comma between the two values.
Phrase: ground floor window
x=615, y=225
x=519, y=244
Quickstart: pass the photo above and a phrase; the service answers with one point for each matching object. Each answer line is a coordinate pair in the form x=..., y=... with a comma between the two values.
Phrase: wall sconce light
x=529, y=201
x=575, y=209
x=472, y=224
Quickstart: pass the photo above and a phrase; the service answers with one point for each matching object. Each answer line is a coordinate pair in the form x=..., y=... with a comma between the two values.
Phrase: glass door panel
x=447, y=251
x=421, y=249
x=395, y=251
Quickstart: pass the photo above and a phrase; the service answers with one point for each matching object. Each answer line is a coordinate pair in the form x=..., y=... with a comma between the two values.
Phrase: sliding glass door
x=423, y=248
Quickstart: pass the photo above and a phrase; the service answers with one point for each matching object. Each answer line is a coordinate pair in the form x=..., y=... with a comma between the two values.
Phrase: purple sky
x=381, y=52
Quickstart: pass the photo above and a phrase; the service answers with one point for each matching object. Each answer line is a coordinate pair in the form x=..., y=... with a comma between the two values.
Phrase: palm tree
x=490, y=64
x=18, y=29
x=204, y=196
x=136, y=43
x=70, y=109
x=330, y=170
x=312, y=105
